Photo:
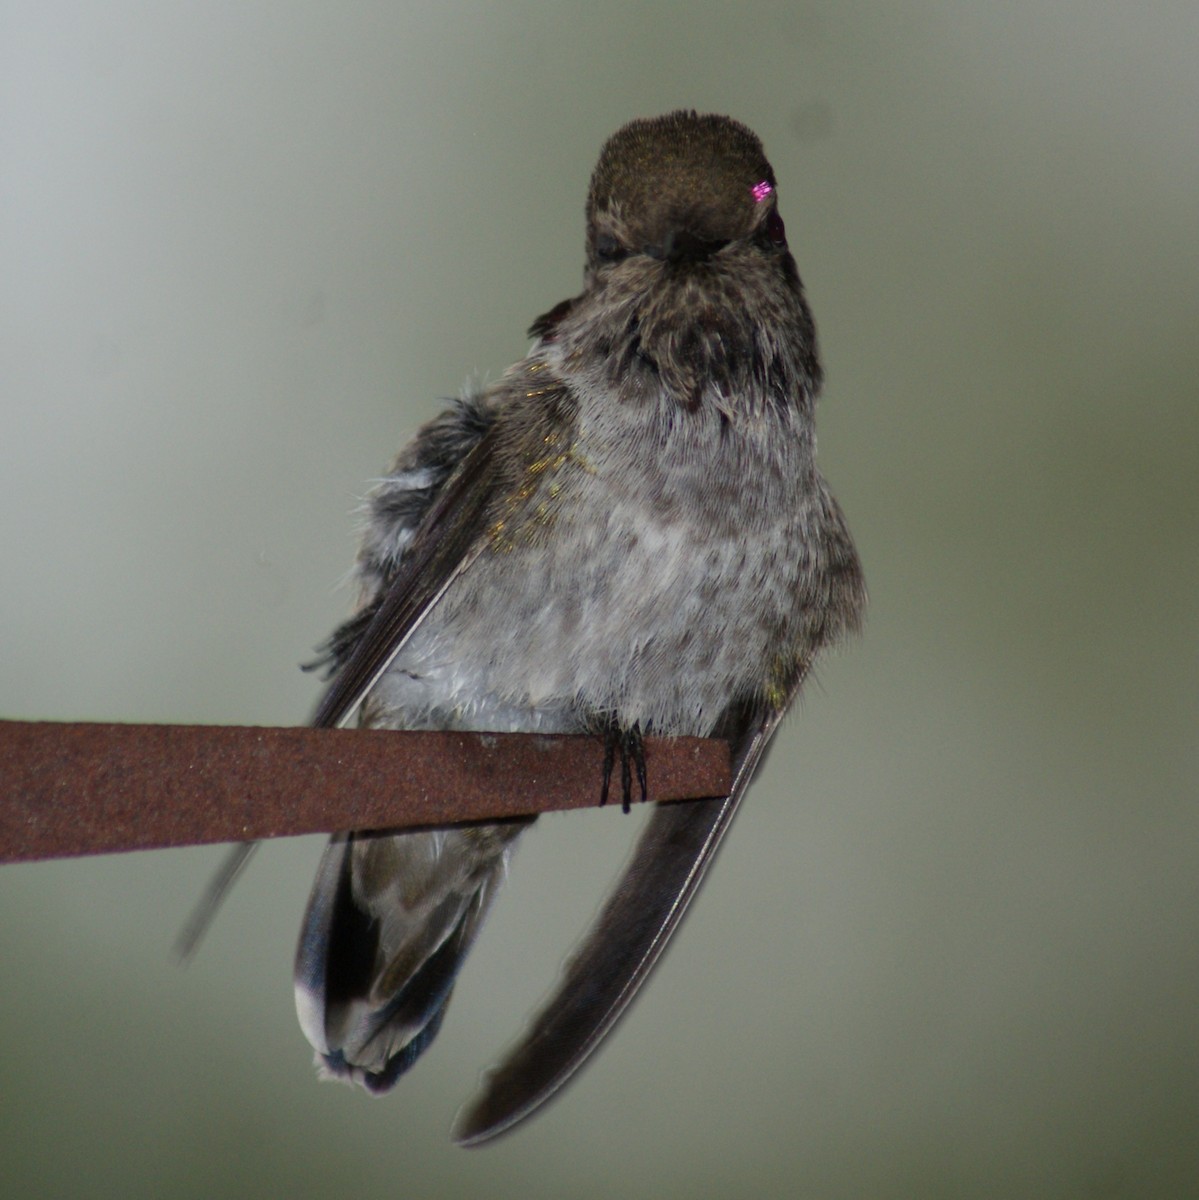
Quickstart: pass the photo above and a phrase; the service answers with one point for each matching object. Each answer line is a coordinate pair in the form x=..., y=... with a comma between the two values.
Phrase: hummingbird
x=625, y=534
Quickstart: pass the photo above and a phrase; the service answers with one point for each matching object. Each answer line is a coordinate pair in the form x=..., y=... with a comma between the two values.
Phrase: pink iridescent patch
x=760, y=191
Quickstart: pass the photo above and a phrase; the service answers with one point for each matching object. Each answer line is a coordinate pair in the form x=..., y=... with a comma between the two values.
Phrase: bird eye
x=608, y=249
x=776, y=231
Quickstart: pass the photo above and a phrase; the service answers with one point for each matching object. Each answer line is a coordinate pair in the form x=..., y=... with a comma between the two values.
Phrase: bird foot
x=630, y=745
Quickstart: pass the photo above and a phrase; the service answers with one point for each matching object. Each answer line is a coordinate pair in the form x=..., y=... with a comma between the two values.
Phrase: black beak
x=681, y=246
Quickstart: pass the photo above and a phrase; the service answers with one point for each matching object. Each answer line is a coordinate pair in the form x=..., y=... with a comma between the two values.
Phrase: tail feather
x=380, y=948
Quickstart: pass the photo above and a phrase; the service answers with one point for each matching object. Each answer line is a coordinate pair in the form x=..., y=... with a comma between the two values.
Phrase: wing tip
x=490, y=1115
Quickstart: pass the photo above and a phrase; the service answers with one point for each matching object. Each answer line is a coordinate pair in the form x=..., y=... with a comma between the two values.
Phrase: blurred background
x=950, y=949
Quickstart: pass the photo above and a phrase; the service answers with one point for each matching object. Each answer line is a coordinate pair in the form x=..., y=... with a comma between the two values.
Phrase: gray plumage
x=626, y=533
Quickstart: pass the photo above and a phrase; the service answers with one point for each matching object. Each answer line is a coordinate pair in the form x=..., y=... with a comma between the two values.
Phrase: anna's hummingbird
x=626, y=534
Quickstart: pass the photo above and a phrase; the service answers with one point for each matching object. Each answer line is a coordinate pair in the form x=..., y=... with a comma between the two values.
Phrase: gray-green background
x=951, y=947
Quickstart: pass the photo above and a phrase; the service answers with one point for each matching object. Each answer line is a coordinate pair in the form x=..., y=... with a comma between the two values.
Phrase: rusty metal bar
x=69, y=789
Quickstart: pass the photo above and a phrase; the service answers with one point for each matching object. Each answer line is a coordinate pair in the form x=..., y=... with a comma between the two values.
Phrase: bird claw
x=631, y=746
